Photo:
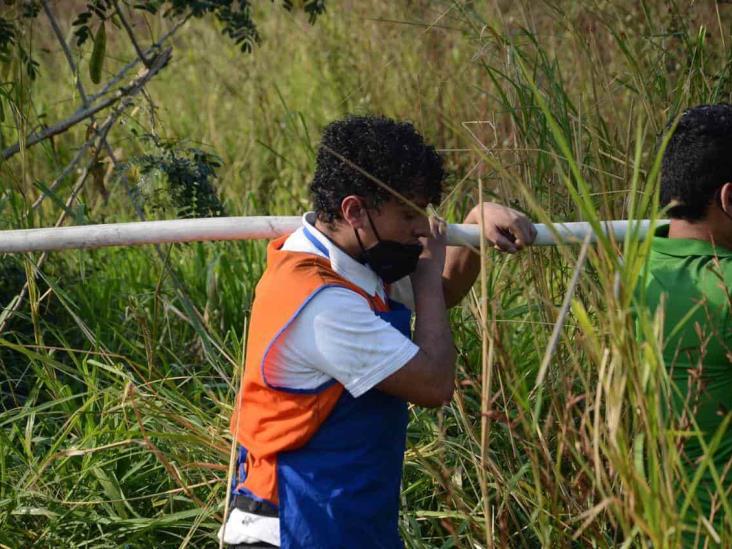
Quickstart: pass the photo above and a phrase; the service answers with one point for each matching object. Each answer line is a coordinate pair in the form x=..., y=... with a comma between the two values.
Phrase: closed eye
x=411, y=215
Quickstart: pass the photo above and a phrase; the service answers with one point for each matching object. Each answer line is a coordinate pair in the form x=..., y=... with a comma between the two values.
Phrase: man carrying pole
x=331, y=365
x=690, y=271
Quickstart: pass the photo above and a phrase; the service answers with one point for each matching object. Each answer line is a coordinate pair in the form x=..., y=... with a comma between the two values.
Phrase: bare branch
x=129, y=66
x=131, y=34
x=99, y=139
x=85, y=103
x=97, y=142
x=126, y=94
x=66, y=171
x=90, y=112
x=67, y=51
x=86, y=100
x=128, y=91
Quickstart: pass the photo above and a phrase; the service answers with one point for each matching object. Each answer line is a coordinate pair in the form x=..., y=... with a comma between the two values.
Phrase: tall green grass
x=119, y=371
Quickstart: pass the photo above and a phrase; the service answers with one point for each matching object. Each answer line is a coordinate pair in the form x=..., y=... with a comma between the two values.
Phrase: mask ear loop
x=363, y=250
x=373, y=228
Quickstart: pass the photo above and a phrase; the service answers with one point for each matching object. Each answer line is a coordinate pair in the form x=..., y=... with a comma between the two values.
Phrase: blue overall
x=341, y=490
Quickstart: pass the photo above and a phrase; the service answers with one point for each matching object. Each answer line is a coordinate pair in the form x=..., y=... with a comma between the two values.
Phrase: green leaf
x=97, y=58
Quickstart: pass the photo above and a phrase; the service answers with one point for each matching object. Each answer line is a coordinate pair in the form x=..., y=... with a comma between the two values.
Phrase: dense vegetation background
x=118, y=367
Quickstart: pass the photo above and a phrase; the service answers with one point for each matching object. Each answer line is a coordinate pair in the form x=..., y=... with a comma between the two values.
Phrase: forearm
x=504, y=228
x=462, y=266
x=432, y=329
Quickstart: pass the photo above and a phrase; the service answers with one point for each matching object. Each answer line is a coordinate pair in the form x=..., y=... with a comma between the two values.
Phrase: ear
x=725, y=198
x=353, y=211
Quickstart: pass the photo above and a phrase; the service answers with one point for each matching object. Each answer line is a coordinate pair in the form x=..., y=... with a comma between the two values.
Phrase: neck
x=707, y=229
x=343, y=237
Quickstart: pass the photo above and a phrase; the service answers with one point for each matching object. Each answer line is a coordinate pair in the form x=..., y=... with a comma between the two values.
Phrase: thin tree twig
x=129, y=66
x=158, y=63
x=82, y=92
x=103, y=132
x=131, y=34
x=66, y=171
x=85, y=104
x=126, y=94
x=87, y=100
x=67, y=52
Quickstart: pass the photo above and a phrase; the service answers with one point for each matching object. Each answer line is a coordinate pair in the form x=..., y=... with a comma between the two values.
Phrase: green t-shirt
x=691, y=278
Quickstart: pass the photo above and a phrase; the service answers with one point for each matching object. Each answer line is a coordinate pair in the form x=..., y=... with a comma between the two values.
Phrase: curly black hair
x=697, y=160
x=392, y=152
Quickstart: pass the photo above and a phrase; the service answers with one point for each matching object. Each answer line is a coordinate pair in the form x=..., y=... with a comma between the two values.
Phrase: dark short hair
x=697, y=160
x=392, y=152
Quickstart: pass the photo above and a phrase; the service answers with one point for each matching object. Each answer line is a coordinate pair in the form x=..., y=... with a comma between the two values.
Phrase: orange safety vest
x=329, y=464
x=268, y=420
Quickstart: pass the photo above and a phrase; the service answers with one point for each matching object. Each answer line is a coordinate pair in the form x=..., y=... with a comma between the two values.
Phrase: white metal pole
x=248, y=228
x=573, y=232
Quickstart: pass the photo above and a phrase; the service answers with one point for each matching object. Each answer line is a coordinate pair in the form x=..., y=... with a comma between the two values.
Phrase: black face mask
x=389, y=259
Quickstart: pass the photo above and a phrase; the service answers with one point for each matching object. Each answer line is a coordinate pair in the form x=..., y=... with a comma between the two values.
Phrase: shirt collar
x=685, y=247
x=355, y=272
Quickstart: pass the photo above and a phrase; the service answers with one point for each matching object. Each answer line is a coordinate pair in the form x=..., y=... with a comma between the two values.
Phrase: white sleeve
x=337, y=334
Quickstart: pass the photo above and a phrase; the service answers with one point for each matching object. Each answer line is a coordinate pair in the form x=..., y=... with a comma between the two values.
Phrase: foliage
x=177, y=178
x=121, y=433
x=234, y=15
x=28, y=10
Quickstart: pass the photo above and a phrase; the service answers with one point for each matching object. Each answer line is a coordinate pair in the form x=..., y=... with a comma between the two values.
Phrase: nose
x=421, y=227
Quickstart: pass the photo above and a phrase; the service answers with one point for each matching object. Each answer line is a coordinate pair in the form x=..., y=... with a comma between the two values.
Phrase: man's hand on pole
x=505, y=228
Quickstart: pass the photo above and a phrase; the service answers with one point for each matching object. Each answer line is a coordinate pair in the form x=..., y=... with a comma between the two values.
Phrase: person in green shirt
x=690, y=271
